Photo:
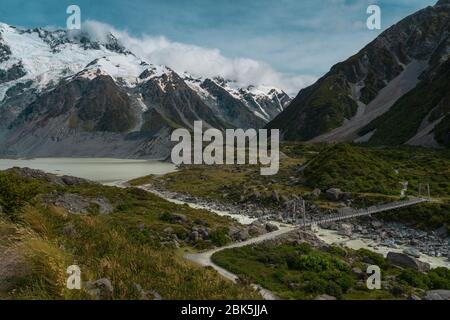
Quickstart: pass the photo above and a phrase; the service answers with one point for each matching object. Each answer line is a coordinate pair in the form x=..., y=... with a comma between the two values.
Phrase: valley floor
x=132, y=244
x=243, y=192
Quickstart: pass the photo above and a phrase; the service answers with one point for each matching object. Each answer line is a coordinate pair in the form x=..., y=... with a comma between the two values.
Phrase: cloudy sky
x=287, y=43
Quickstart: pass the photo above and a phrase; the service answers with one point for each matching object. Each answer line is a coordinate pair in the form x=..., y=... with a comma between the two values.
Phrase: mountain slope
x=239, y=106
x=414, y=116
x=68, y=94
x=364, y=87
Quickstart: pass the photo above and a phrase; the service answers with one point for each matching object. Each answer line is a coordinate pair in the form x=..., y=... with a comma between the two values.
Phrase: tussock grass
x=126, y=246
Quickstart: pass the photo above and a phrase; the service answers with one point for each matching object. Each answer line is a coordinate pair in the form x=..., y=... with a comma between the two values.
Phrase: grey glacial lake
x=102, y=170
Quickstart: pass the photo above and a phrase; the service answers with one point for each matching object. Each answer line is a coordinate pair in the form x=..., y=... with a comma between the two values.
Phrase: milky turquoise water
x=102, y=170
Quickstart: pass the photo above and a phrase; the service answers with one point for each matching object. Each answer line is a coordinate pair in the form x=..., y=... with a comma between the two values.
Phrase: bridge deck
x=350, y=214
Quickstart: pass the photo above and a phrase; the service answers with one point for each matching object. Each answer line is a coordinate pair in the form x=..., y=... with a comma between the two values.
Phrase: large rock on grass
x=405, y=261
x=437, y=295
x=101, y=289
x=334, y=194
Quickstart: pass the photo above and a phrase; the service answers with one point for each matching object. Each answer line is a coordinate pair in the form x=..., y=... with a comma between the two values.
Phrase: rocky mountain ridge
x=67, y=94
x=363, y=98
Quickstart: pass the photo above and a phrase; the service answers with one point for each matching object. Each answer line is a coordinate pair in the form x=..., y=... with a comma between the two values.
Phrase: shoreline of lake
x=107, y=171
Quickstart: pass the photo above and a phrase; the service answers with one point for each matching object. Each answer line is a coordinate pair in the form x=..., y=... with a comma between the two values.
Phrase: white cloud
x=200, y=61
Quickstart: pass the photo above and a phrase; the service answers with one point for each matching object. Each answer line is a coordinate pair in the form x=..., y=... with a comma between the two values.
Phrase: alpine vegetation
x=229, y=150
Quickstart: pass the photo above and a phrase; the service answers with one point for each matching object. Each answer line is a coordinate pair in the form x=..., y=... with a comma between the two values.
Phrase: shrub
x=375, y=258
x=414, y=278
x=166, y=217
x=310, y=262
x=315, y=284
x=16, y=192
x=335, y=250
x=439, y=278
x=220, y=237
x=334, y=290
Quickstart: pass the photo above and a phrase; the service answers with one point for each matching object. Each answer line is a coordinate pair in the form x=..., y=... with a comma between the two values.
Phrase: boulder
x=71, y=181
x=200, y=222
x=76, y=204
x=168, y=230
x=376, y=224
x=345, y=230
x=403, y=260
x=179, y=218
x=293, y=286
x=69, y=230
x=285, y=200
x=315, y=194
x=413, y=252
x=441, y=232
x=325, y=297
x=203, y=232
x=233, y=231
x=13, y=268
x=255, y=196
x=147, y=294
x=242, y=235
x=345, y=196
x=437, y=295
x=334, y=194
x=275, y=196
x=104, y=205
x=256, y=229
x=358, y=272
x=270, y=227
x=101, y=289
x=194, y=236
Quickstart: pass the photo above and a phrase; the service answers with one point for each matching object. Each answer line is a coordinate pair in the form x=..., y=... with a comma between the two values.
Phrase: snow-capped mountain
x=227, y=98
x=65, y=94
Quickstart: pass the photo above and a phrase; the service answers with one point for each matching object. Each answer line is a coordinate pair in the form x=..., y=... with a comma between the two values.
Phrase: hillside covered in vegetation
x=126, y=241
x=296, y=270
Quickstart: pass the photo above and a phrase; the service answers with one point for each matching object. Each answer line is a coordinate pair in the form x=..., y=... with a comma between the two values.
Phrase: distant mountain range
x=64, y=94
x=394, y=91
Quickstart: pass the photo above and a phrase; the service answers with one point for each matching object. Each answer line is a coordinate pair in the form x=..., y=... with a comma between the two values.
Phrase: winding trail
x=205, y=258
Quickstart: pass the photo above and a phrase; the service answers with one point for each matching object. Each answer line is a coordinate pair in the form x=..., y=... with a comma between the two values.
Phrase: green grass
x=128, y=246
x=364, y=169
x=297, y=271
x=229, y=183
x=372, y=175
x=280, y=268
x=352, y=169
x=15, y=191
